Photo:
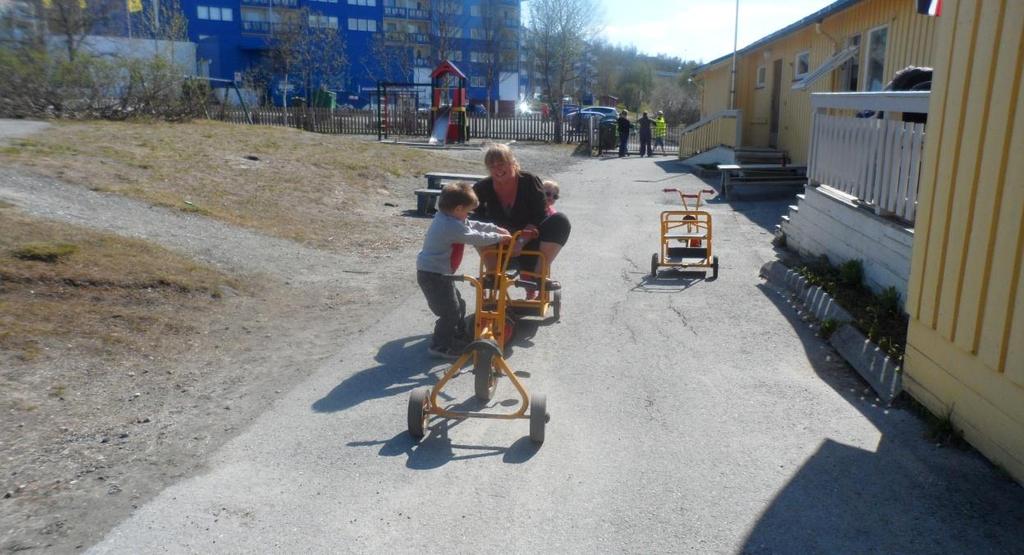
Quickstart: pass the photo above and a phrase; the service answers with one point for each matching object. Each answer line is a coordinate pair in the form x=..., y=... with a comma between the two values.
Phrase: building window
x=481, y=57
x=323, y=21
x=477, y=81
x=478, y=34
x=849, y=73
x=761, y=72
x=474, y=11
x=362, y=2
x=326, y=1
x=874, y=62
x=801, y=65
x=214, y=13
x=355, y=24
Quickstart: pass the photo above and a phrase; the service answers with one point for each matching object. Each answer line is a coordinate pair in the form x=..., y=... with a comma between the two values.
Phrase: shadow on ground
x=401, y=369
x=437, y=449
x=908, y=495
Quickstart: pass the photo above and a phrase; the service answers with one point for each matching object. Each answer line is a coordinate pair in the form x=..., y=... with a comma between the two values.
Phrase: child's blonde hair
x=499, y=153
x=551, y=185
x=457, y=194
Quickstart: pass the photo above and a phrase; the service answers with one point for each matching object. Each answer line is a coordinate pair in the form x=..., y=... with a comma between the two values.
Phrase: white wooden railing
x=877, y=160
x=719, y=129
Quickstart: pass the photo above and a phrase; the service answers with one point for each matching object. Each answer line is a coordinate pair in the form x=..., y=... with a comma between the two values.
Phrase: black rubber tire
x=714, y=267
x=654, y=265
x=538, y=417
x=556, y=305
x=417, y=418
x=484, y=379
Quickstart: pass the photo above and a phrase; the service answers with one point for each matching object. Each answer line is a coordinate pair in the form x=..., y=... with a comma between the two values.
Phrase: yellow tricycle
x=686, y=236
x=493, y=327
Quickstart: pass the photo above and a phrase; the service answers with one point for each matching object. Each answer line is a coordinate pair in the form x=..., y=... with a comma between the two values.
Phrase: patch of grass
x=112, y=293
x=879, y=317
x=304, y=186
x=44, y=251
x=940, y=430
x=828, y=327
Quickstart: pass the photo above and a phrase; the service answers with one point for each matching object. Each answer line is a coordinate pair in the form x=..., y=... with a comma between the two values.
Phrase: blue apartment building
x=235, y=35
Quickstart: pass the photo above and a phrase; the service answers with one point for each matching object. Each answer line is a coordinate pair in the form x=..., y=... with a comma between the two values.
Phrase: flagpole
x=735, y=39
x=128, y=17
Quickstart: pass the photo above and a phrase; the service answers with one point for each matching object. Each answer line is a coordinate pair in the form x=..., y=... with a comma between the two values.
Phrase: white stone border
x=882, y=373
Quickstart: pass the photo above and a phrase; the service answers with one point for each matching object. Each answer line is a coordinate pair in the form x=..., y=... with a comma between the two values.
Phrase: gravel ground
x=160, y=420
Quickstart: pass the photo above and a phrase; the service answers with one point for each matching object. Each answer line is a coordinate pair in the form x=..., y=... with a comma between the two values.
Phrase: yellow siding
x=966, y=293
x=910, y=39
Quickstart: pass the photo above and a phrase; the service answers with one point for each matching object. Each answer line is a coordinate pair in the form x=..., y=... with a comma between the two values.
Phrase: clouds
x=698, y=29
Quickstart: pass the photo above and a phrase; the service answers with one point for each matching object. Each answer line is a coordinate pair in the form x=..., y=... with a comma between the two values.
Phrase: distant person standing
x=644, y=123
x=624, y=126
x=660, y=130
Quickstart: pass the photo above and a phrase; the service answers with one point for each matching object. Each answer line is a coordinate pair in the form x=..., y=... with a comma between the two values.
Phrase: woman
x=514, y=200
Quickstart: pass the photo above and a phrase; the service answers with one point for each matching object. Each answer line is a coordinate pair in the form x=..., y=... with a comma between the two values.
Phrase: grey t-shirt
x=445, y=231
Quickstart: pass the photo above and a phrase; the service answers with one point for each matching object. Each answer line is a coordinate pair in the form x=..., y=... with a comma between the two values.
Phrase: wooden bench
x=435, y=179
x=760, y=174
x=426, y=201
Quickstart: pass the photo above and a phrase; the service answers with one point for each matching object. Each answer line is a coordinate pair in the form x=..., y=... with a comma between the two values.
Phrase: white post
x=735, y=39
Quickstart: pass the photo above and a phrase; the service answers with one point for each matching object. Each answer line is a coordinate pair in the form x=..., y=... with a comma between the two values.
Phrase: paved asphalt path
x=687, y=416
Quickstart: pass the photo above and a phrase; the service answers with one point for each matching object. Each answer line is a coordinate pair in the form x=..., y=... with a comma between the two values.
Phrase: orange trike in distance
x=686, y=236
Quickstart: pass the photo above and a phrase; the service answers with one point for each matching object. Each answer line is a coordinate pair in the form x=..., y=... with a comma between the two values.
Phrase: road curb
x=883, y=374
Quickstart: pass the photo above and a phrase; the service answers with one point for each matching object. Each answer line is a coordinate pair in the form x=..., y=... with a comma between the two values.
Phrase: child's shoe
x=443, y=352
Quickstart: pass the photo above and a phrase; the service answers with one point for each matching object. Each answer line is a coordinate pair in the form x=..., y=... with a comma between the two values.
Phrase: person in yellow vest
x=660, y=130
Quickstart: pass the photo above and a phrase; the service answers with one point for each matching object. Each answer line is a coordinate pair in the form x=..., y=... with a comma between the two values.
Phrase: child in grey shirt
x=441, y=255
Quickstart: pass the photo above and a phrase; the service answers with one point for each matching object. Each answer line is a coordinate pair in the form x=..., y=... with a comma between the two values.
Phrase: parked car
x=578, y=119
x=476, y=109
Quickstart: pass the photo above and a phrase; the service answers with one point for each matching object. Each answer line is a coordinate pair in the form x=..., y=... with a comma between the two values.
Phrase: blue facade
x=233, y=36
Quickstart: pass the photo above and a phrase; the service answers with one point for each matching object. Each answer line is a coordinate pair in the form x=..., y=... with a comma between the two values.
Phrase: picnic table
x=426, y=199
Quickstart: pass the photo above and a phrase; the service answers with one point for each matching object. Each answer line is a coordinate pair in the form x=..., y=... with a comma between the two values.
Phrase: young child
x=442, y=250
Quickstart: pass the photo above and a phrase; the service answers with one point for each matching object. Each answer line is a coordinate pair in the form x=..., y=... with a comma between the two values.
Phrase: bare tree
x=73, y=20
x=445, y=23
x=498, y=43
x=309, y=50
x=559, y=30
x=390, y=57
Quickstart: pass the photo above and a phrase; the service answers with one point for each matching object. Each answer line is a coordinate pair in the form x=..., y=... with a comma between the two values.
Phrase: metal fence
x=413, y=125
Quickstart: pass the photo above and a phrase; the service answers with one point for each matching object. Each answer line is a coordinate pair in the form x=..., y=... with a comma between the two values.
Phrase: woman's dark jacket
x=530, y=206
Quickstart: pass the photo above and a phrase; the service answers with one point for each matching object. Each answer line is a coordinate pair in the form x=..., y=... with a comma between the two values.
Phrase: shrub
x=851, y=273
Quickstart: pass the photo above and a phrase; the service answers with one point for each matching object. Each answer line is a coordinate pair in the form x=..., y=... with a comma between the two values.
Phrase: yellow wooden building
x=850, y=45
x=965, y=353
x=960, y=206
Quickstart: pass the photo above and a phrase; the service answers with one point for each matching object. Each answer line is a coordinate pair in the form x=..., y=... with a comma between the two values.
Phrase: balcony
x=406, y=13
x=876, y=160
x=406, y=38
x=281, y=3
x=267, y=27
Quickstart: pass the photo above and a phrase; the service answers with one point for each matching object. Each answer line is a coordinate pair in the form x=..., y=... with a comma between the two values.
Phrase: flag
x=81, y=4
x=929, y=7
x=134, y=6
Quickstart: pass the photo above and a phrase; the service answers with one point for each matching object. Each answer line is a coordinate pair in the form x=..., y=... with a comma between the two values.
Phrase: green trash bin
x=325, y=99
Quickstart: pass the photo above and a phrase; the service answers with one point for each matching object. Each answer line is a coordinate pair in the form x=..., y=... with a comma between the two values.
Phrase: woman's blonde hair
x=498, y=153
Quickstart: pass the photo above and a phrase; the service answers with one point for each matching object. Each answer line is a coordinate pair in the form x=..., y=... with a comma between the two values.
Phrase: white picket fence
x=877, y=160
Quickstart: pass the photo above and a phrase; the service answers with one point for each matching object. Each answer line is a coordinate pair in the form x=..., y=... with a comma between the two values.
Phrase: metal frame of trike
x=697, y=236
x=490, y=338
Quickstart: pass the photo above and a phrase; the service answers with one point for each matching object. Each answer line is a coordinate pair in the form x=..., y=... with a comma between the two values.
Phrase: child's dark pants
x=446, y=303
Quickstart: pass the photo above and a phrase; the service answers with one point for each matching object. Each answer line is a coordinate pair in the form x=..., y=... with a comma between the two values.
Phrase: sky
x=697, y=29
